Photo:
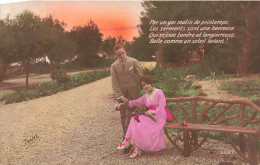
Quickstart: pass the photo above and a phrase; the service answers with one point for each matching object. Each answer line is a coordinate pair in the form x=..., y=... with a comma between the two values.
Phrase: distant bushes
x=40, y=68
x=50, y=88
x=87, y=62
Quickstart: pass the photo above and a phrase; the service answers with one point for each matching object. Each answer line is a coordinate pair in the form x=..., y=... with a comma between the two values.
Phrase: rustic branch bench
x=244, y=113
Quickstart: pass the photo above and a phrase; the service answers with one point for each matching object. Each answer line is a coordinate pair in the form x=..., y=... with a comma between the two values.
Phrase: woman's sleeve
x=161, y=102
x=137, y=102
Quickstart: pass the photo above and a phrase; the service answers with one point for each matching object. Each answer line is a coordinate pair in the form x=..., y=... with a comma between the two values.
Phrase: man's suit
x=124, y=84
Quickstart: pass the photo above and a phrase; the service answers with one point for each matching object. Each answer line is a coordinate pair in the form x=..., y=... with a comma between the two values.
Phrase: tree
x=249, y=37
x=109, y=43
x=88, y=38
x=142, y=51
x=56, y=43
x=107, y=46
x=6, y=48
x=140, y=48
x=28, y=42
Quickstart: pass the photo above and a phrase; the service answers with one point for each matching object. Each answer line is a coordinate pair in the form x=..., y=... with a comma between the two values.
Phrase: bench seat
x=220, y=128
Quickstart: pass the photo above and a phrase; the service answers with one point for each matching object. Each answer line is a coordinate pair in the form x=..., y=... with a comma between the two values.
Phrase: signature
x=28, y=142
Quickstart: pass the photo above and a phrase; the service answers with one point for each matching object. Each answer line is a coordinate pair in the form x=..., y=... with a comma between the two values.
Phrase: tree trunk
x=159, y=55
x=51, y=66
x=3, y=70
x=243, y=60
x=27, y=72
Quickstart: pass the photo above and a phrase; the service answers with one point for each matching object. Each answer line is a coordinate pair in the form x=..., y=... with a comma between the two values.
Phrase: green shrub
x=59, y=76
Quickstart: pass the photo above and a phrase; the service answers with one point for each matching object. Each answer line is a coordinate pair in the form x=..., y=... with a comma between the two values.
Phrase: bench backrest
x=201, y=110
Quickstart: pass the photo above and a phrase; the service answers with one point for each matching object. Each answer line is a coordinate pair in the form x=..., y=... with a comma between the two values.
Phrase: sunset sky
x=112, y=17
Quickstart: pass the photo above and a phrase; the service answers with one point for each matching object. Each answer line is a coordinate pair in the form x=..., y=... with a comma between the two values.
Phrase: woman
x=147, y=134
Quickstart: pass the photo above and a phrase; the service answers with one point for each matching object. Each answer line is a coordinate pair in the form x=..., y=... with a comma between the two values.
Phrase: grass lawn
x=248, y=89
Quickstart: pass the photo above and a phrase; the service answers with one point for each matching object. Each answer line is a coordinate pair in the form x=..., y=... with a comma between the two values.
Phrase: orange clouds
x=118, y=26
x=112, y=17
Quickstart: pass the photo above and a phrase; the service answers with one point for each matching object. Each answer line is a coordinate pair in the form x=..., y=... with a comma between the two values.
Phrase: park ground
x=80, y=126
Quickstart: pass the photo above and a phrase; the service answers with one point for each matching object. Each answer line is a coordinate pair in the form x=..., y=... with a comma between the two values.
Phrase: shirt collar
x=123, y=59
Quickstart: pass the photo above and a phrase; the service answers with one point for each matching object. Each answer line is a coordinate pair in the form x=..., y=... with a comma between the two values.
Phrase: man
x=123, y=72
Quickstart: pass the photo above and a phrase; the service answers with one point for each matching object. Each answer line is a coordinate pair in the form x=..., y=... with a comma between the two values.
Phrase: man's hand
x=120, y=105
x=149, y=113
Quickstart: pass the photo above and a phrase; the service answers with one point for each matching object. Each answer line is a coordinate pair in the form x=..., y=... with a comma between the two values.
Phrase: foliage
x=87, y=63
x=59, y=76
x=220, y=56
x=174, y=53
x=241, y=52
x=201, y=71
x=28, y=32
x=28, y=36
x=108, y=45
x=18, y=72
x=57, y=43
x=41, y=67
x=88, y=38
x=6, y=43
x=83, y=78
x=142, y=51
x=6, y=48
x=50, y=88
x=140, y=47
x=172, y=82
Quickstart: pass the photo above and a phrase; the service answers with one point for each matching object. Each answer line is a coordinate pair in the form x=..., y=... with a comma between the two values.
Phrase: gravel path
x=79, y=126
x=210, y=87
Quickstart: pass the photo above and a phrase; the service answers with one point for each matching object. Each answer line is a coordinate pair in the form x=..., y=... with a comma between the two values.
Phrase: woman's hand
x=120, y=105
x=149, y=113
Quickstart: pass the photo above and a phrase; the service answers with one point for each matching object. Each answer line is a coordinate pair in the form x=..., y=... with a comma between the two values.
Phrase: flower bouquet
x=141, y=111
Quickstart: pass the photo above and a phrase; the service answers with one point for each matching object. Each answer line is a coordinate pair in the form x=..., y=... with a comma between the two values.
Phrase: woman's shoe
x=135, y=153
x=124, y=144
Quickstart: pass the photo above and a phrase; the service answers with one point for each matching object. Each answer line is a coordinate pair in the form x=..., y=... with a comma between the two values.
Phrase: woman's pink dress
x=147, y=134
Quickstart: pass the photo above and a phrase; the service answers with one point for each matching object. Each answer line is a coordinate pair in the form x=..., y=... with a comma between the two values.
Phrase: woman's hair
x=118, y=46
x=146, y=79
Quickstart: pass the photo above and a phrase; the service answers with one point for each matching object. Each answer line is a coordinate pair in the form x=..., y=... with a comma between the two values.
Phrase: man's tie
x=123, y=64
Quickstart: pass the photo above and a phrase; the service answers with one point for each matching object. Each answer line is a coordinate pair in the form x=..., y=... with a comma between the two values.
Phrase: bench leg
x=242, y=143
x=253, y=149
x=195, y=138
x=186, y=143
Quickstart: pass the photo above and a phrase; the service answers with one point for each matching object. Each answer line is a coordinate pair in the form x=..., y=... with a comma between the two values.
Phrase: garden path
x=210, y=87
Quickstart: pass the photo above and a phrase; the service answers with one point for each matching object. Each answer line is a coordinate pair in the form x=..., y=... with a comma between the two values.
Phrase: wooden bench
x=198, y=120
